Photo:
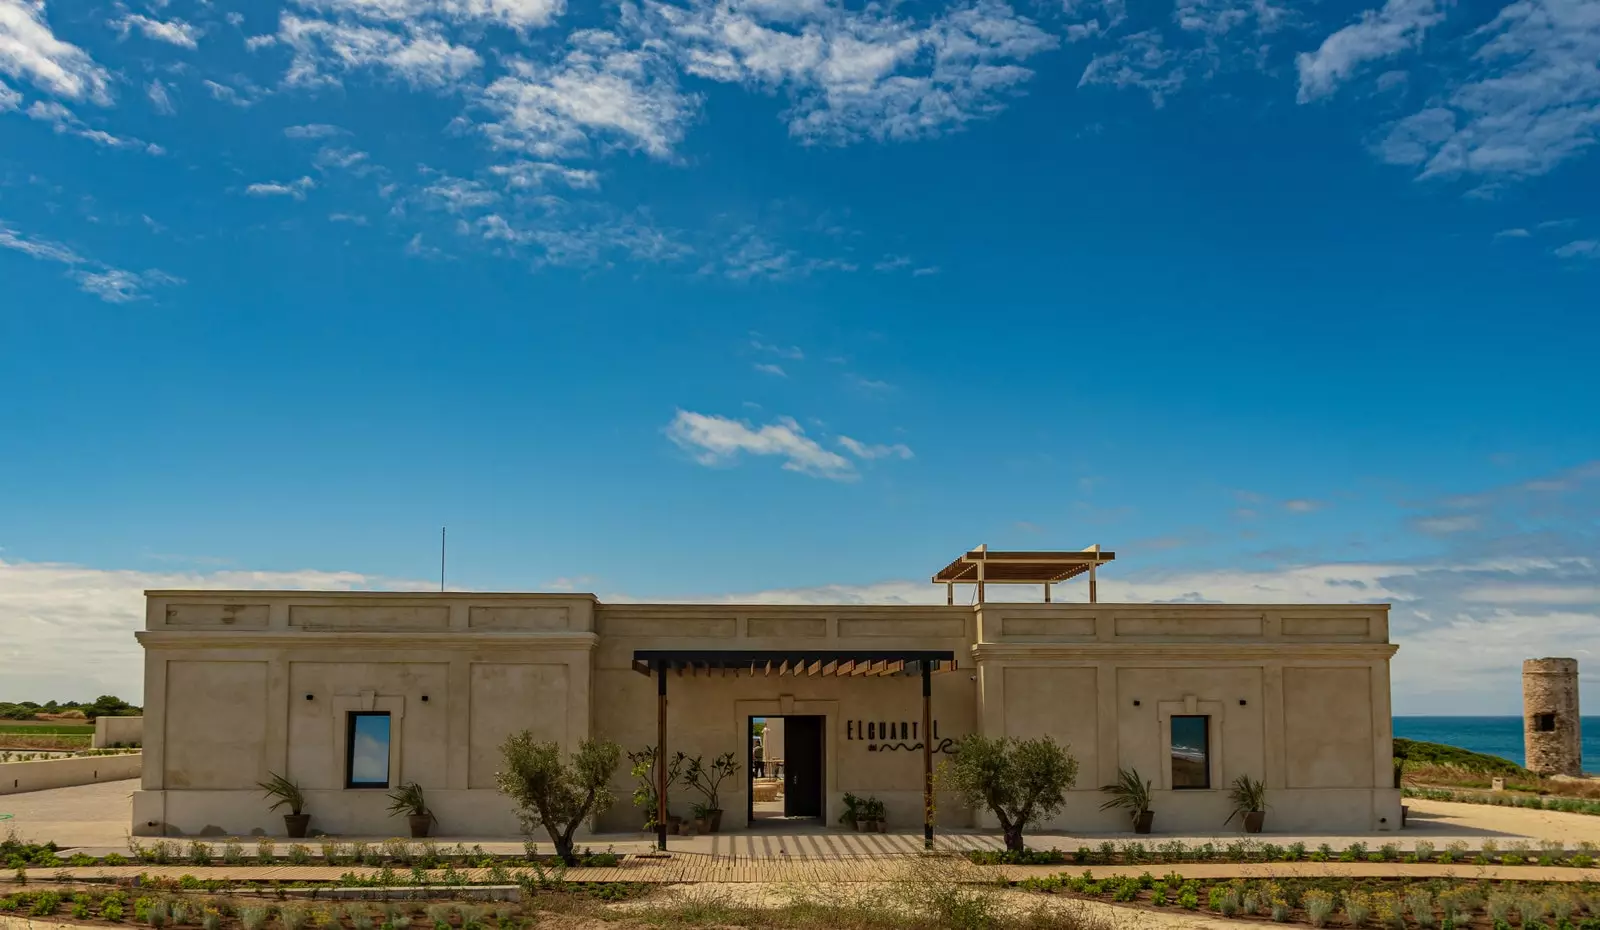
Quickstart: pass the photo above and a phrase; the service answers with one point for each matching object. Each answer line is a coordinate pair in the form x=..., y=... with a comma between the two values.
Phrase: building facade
x=349, y=692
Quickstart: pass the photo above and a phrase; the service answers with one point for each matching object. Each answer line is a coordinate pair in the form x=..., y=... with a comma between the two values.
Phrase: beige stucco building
x=346, y=692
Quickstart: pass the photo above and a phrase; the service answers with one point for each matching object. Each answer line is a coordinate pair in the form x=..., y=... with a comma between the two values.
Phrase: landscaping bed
x=1489, y=852
x=1444, y=903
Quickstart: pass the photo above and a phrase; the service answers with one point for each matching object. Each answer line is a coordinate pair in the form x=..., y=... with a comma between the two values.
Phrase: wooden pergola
x=828, y=663
x=983, y=566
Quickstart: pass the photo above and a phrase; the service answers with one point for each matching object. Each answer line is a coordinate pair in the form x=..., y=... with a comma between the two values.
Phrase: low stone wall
x=17, y=777
x=118, y=731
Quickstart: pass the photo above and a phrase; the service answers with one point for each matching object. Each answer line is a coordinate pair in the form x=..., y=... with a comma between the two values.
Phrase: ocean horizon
x=1495, y=736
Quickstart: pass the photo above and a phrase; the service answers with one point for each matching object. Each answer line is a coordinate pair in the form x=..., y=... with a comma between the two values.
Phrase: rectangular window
x=1191, y=752
x=367, y=751
x=1546, y=723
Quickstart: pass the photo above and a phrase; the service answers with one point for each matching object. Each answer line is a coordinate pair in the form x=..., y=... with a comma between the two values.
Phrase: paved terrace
x=94, y=819
x=692, y=868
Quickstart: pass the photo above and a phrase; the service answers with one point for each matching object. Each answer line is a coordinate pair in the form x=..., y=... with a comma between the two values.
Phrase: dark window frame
x=1172, y=744
x=350, y=751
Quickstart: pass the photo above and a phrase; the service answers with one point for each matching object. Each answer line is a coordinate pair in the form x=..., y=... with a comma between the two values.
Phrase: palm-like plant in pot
x=288, y=793
x=407, y=799
x=1131, y=793
x=708, y=779
x=1249, y=799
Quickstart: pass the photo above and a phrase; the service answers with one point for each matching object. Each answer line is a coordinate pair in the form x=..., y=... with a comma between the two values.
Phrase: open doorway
x=785, y=769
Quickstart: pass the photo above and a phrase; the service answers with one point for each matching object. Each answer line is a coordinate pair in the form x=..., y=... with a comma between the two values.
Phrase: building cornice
x=452, y=640
x=1180, y=652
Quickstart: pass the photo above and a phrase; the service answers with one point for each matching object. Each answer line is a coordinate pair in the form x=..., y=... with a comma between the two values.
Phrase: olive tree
x=552, y=792
x=1020, y=782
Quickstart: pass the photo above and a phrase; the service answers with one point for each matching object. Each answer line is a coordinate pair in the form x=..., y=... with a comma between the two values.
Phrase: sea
x=1496, y=736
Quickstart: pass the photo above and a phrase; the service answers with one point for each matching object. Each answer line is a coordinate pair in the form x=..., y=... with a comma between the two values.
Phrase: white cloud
x=69, y=629
x=869, y=452
x=312, y=131
x=1579, y=248
x=296, y=189
x=30, y=51
x=603, y=93
x=458, y=195
x=568, y=234
x=748, y=254
x=230, y=95
x=1140, y=61
x=770, y=369
x=1376, y=35
x=1302, y=505
x=860, y=73
x=9, y=99
x=419, y=54
x=63, y=120
x=1532, y=100
x=515, y=14
x=159, y=98
x=173, y=32
x=112, y=285
x=355, y=219
x=534, y=174
x=1445, y=526
x=117, y=286
x=714, y=440
x=792, y=353
x=1517, y=233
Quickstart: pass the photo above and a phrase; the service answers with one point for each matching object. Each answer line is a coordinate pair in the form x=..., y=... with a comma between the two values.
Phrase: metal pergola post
x=661, y=757
x=927, y=755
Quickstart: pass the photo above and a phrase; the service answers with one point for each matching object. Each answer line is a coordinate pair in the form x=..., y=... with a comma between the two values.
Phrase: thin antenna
x=441, y=558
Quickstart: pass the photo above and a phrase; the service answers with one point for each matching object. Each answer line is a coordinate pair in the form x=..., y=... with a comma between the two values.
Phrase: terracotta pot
x=883, y=826
x=1254, y=820
x=1141, y=823
x=867, y=826
x=296, y=825
x=702, y=824
x=420, y=824
x=674, y=824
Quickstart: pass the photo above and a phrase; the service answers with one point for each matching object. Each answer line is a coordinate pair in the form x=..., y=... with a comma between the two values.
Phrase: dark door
x=802, y=766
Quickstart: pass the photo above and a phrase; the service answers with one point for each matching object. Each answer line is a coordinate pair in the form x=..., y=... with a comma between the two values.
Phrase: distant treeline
x=106, y=705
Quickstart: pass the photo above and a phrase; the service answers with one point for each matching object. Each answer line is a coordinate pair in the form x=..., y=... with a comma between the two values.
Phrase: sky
x=796, y=300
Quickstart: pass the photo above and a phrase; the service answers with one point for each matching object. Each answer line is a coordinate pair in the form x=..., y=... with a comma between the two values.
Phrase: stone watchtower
x=1551, y=737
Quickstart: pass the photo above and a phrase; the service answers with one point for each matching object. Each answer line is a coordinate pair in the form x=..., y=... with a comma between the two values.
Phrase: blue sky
x=795, y=300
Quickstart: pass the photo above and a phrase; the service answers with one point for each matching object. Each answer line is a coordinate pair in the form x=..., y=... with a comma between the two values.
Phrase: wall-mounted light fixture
x=1135, y=702
x=311, y=697
x=1241, y=702
x=424, y=699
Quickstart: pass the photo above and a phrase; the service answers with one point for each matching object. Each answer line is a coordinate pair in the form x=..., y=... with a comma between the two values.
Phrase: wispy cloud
x=243, y=96
x=1303, y=505
x=1531, y=100
x=1140, y=61
x=770, y=369
x=855, y=73
x=1376, y=35
x=793, y=353
x=604, y=92
x=1517, y=233
x=419, y=54
x=110, y=284
x=716, y=440
x=1579, y=248
x=870, y=451
x=63, y=120
x=312, y=131
x=156, y=91
x=173, y=32
x=29, y=50
x=296, y=189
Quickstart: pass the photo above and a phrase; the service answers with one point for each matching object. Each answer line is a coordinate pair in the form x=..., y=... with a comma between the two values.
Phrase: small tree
x=1021, y=782
x=552, y=793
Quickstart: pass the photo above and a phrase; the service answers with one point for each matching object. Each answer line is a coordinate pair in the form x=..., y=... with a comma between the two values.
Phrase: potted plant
x=852, y=811
x=875, y=816
x=708, y=781
x=643, y=768
x=1131, y=793
x=1249, y=799
x=287, y=792
x=867, y=816
x=407, y=799
x=704, y=817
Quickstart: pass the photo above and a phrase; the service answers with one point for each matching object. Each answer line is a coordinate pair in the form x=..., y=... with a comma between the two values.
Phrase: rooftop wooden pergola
x=983, y=566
